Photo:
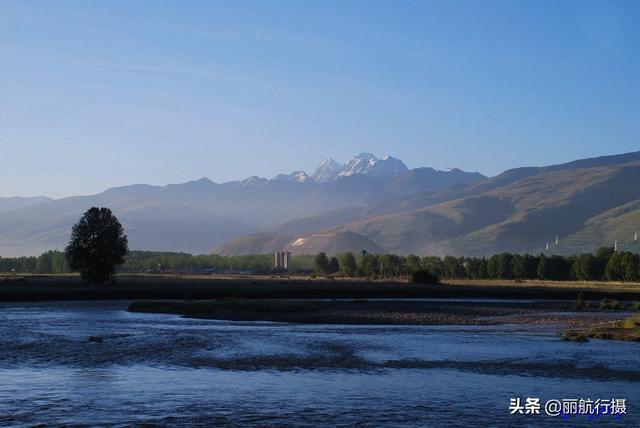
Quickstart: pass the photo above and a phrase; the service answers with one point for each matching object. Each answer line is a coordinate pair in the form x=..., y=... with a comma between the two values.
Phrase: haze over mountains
x=367, y=203
x=17, y=202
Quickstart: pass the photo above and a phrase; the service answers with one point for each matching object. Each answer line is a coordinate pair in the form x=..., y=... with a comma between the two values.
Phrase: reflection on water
x=168, y=370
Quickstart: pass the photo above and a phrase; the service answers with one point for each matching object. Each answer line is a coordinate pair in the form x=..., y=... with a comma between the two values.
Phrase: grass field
x=70, y=287
x=584, y=285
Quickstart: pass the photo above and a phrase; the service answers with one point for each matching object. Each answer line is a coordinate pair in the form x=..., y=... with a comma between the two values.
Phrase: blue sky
x=95, y=94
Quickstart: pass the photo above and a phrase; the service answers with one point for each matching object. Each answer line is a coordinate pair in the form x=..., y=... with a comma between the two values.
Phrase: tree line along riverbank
x=604, y=265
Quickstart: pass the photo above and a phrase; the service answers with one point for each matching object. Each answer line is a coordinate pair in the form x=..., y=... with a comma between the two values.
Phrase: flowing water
x=93, y=363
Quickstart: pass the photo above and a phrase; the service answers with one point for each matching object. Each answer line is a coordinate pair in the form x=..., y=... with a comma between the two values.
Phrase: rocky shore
x=391, y=312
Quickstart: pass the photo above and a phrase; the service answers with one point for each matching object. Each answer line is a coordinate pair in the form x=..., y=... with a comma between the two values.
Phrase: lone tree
x=97, y=245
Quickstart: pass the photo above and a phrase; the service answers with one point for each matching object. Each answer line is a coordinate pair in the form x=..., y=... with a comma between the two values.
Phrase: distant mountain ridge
x=199, y=215
x=17, y=202
x=366, y=203
x=521, y=210
x=585, y=204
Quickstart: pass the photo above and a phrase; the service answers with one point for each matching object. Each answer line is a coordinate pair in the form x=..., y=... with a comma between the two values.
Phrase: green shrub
x=609, y=304
x=424, y=277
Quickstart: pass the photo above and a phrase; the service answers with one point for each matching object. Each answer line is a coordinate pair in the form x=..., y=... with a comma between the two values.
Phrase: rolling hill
x=586, y=204
x=330, y=243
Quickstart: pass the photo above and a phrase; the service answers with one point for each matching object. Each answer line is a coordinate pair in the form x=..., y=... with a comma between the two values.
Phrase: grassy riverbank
x=624, y=329
x=587, y=309
x=70, y=287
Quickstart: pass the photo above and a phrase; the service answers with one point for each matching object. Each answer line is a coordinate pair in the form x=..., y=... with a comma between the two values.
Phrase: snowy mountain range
x=199, y=215
x=367, y=203
x=363, y=164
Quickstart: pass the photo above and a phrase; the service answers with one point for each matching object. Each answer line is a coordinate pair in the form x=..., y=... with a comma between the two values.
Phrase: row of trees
x=370, y=265
x=141, y=261
x=49, y=262
x=605, y=264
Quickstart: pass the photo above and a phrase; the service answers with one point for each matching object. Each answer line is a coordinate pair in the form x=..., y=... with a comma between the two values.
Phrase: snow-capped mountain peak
x=362, y=164
x=366, y=156
x=253, y=181
x=296, y=177
x=368, y=164
x=327, y=170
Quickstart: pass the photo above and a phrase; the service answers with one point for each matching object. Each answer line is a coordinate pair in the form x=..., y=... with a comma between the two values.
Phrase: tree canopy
x=321, y=263
x=97, y=245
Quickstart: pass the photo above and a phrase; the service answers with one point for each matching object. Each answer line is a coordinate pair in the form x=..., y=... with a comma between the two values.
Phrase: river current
x=94, y=363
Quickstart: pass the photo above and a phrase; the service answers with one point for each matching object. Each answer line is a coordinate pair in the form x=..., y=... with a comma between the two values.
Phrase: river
x=94, y=363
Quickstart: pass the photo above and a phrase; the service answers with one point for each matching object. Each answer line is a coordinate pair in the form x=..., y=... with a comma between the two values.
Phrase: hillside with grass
x=585, y=204
x=331, y=243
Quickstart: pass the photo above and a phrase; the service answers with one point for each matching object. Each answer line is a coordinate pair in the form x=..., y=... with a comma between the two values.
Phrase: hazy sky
x=95, y=94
